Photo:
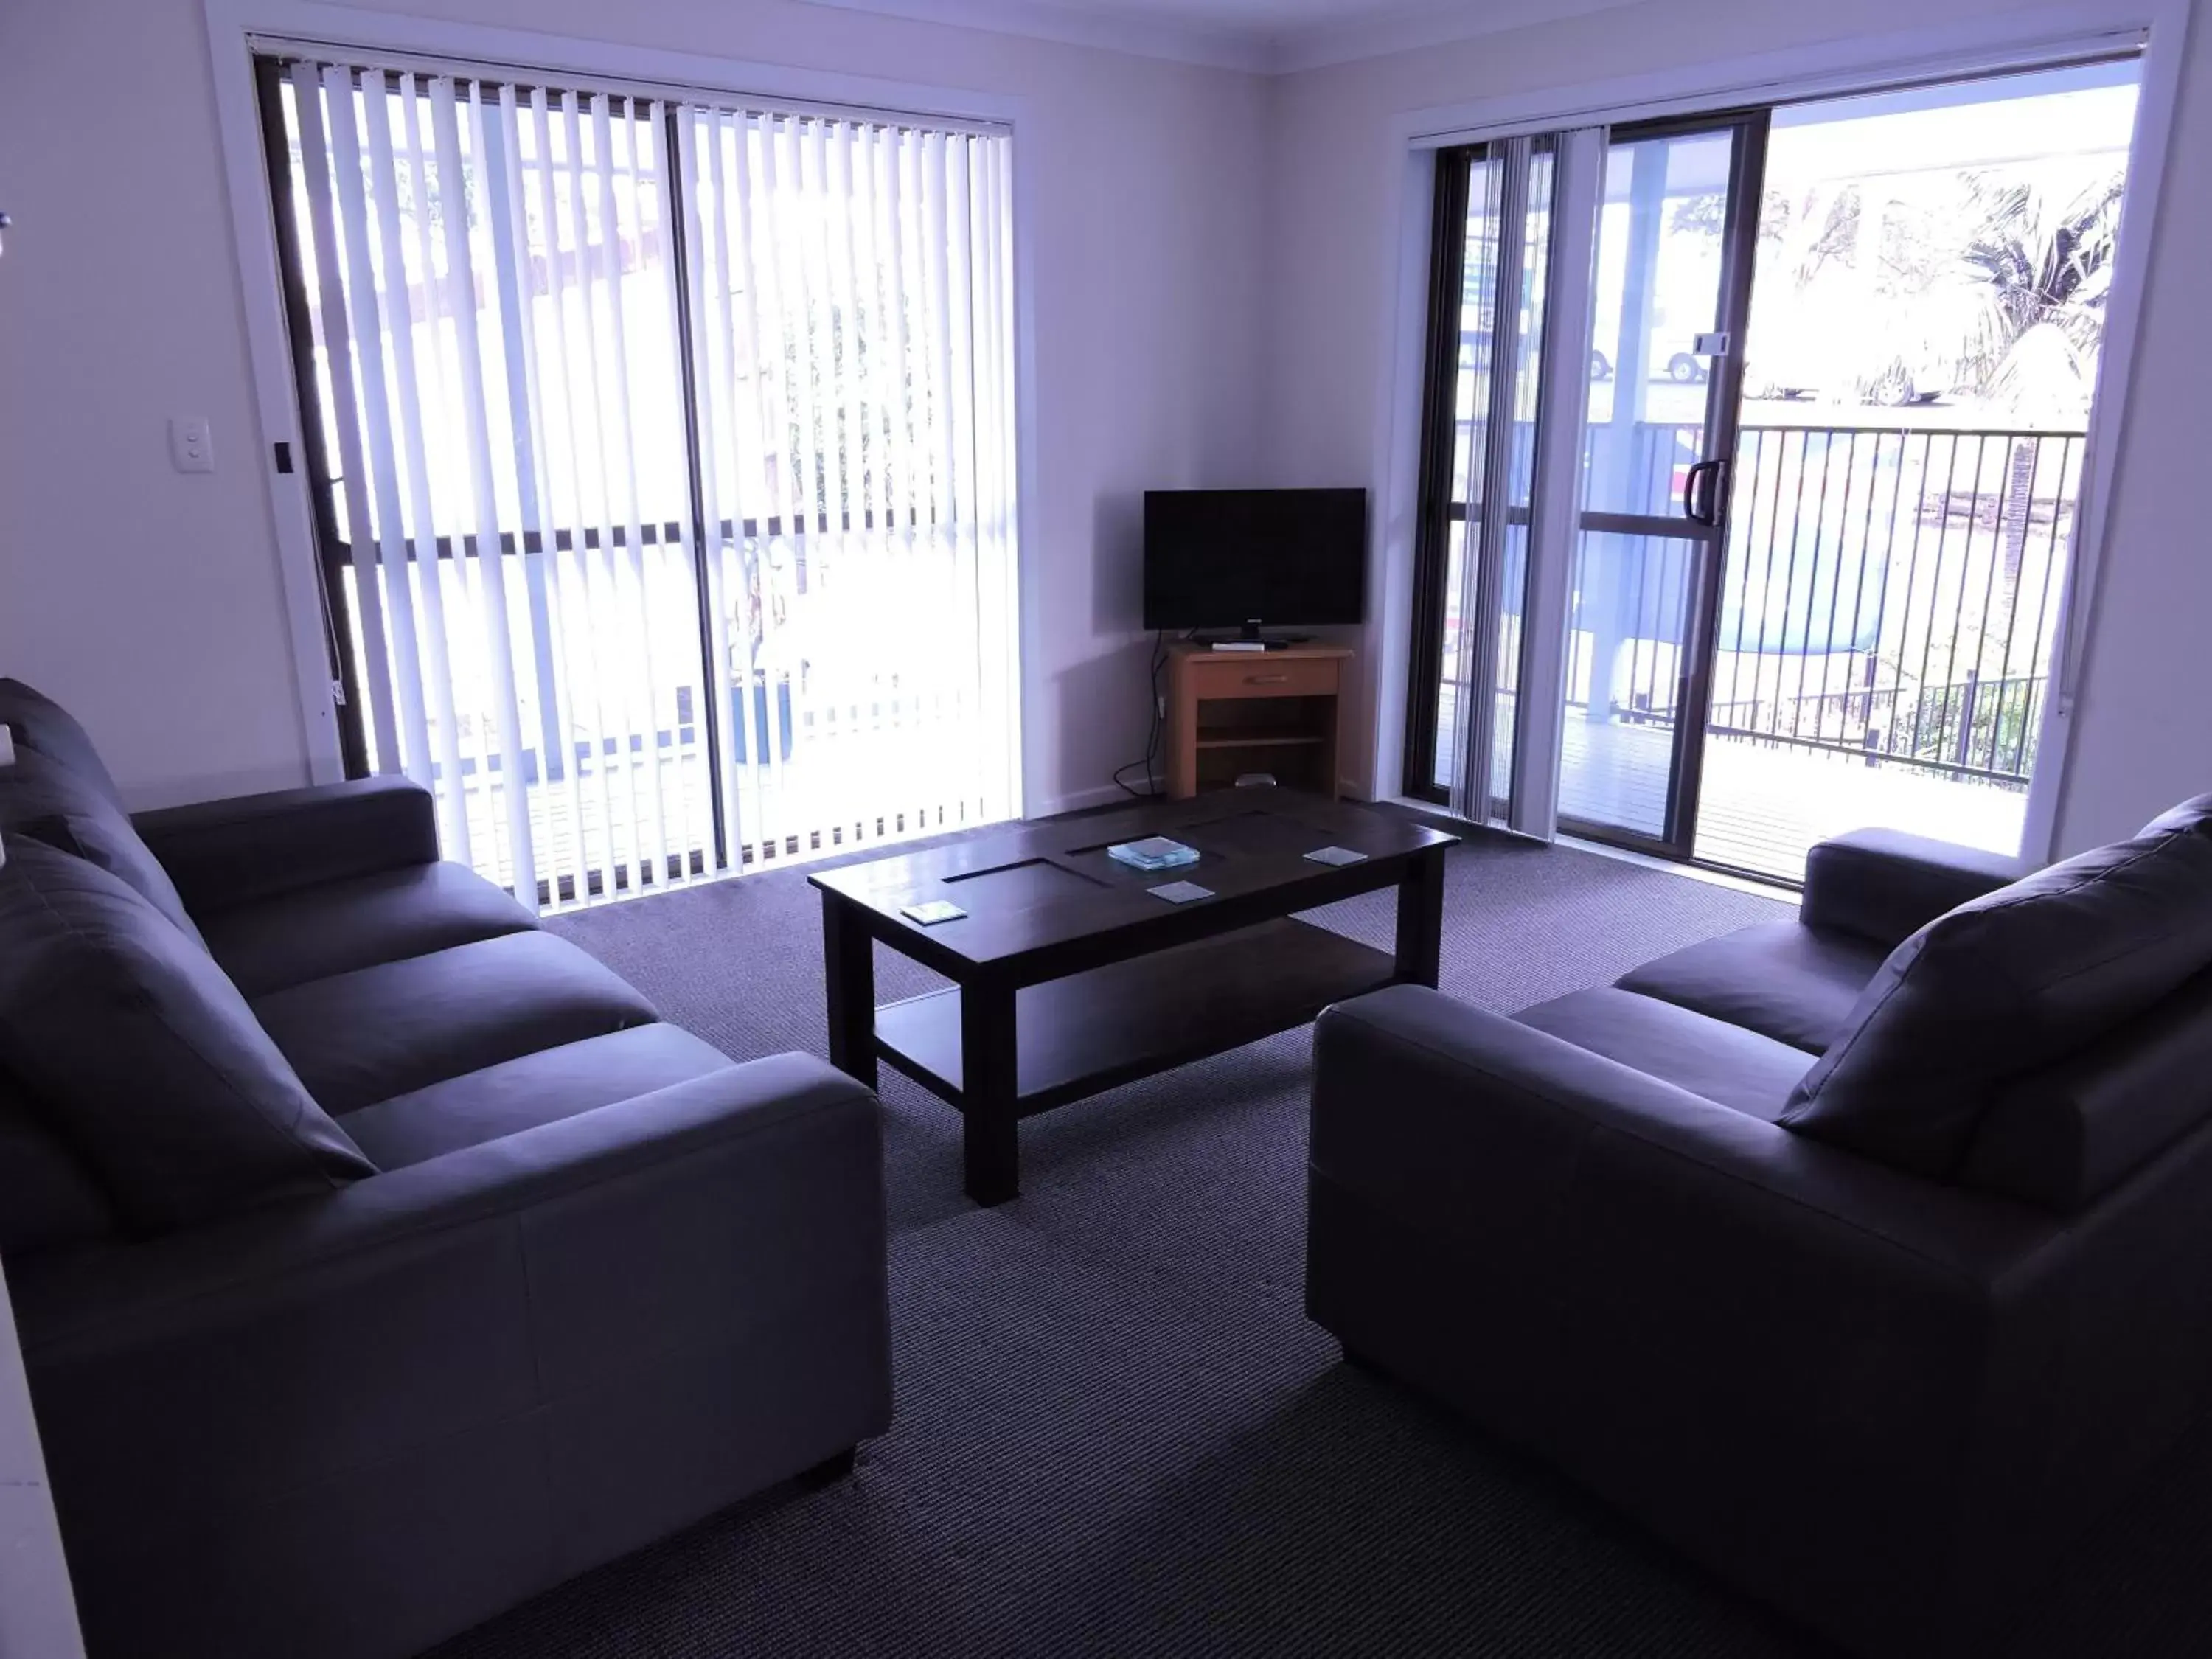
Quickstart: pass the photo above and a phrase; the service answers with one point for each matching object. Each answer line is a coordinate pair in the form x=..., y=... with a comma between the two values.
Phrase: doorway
x=1840, y=361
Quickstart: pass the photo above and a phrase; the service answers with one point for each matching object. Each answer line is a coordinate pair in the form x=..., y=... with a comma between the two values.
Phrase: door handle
x=1266, y=679
x=1712, y=471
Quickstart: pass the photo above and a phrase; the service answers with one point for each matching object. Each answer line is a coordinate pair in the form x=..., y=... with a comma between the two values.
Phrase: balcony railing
x=1887, y=594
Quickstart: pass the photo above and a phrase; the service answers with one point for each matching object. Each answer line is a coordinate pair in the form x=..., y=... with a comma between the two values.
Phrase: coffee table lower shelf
x=1094, y=1030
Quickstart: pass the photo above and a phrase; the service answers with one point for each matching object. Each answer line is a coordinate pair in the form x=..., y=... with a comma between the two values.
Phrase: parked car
x=1682, y=367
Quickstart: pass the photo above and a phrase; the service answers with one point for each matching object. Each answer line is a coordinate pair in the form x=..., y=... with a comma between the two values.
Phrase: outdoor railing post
x=1966, y=716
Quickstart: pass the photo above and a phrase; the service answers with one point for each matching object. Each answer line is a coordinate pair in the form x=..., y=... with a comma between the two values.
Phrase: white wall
x=2142, y=739
x=149, y=602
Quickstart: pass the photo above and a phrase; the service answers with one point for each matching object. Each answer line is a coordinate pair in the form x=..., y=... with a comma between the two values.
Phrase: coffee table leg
x=991, y=1139
x=848, y=970
x=1421, y=918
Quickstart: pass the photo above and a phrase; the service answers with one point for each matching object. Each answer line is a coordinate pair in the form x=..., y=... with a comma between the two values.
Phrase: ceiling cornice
x=1410, y=28
x=1084, y=26
x=1405, y=27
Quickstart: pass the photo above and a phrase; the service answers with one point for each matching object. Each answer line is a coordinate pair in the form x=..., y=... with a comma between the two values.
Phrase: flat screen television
x=1248, y=559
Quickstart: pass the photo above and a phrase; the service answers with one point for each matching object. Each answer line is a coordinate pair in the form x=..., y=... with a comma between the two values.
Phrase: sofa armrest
x=525, y=1278
x=226, y=853
x=1885, y=886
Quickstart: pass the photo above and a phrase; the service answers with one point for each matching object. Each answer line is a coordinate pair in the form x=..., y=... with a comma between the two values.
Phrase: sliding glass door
x=1671, y=290
x=661, y=459
x=1799, y=560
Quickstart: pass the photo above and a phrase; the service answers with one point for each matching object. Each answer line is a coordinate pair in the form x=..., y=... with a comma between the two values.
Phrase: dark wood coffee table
x=1071, y=977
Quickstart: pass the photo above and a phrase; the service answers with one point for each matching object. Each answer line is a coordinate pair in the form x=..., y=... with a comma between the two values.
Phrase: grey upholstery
x=143, y=1058
x=223, y=853
x=1883, y=1401
x=588, y=1281
x=2006, y=983
x=399, y=1026
x=47, y=1197
x=1737, y=1068
x=352, y=1428
x=1884, y=885
x=521, y=1094
x=40, y=799
x=1781, y=979
x=336, y=926
x=2064, y=1134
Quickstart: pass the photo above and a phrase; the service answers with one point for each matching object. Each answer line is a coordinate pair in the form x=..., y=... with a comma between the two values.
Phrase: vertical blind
x=665, y=472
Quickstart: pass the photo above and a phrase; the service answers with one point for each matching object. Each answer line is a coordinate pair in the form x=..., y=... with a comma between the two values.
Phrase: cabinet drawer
x=1262, y=678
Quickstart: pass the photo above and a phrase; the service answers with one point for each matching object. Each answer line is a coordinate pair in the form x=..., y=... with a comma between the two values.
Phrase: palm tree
x=2042, y=269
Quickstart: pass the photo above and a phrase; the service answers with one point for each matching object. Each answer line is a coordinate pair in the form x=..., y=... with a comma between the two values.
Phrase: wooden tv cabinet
x=1231, y=713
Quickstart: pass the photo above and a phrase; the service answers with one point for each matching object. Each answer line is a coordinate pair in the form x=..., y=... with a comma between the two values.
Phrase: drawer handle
x=1266, y=679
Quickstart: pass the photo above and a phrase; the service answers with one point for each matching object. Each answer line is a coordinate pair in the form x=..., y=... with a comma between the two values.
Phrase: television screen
x=1277, y=558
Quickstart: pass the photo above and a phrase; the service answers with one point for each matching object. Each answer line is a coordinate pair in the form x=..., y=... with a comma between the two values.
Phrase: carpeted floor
x=1116, y=1433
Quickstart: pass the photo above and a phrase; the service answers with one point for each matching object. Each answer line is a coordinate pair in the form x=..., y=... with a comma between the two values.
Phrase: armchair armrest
x=524, y=1279
x=1885, y=886
x=226, y=853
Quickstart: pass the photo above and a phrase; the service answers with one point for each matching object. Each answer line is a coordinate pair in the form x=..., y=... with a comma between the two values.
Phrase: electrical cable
x=1152, y=788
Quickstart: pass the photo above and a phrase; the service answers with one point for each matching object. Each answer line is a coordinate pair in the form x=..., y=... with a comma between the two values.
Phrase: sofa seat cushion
x=521, y=1094
x=1726, y=1064
x=367, y=1036
x=2006, y=984
x=46, y=801
x=338, y=926
x=1784, y=980
x=143, y=1058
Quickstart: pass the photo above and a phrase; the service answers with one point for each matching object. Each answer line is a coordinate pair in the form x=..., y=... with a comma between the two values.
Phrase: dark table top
x=1041, y=886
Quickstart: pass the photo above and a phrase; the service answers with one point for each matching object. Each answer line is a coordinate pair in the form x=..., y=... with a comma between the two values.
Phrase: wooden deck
x=1764, y=805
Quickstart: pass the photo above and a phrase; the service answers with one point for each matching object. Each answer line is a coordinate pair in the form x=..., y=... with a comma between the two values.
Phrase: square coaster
x=932, y=911
x=1181, y=892
x=1336, y=855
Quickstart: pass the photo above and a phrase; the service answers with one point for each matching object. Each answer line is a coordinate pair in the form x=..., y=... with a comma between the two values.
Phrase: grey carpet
x=1116, y=1433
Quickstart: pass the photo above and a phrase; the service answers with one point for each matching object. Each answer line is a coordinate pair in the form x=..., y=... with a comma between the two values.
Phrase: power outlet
x=191, y=443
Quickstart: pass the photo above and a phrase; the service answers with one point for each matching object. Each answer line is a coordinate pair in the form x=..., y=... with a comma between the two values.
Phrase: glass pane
x=1659, y=278
x=1925, y=322
x=1496, y=381
x=1629, y=617
x=1658, y=289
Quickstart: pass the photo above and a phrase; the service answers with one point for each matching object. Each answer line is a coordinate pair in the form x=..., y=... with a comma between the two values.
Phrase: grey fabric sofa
x=1864, y=1258
x=379, y=1259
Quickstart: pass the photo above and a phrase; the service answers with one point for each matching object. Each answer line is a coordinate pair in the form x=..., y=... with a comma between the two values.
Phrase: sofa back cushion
x=2008, y=983
x=46, y=801
x=43, y=726
x=2063, y=1136
x=142, y=1057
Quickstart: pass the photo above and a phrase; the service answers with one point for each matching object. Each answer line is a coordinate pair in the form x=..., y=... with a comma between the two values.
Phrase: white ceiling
x=1266, y=35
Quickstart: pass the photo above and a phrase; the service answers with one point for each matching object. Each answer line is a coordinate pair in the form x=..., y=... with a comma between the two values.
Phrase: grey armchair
x=1864, y=1258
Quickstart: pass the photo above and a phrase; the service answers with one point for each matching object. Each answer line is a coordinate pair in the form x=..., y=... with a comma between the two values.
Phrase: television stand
x=1231, y=714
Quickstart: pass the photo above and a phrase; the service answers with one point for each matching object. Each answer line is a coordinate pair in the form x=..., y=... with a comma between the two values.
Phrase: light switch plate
x=191, y=443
